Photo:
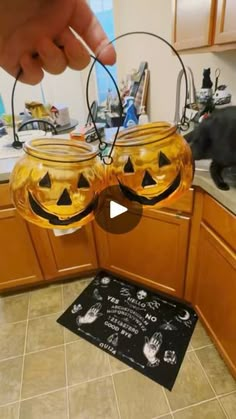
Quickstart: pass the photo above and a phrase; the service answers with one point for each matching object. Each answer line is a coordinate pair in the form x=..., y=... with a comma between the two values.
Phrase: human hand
x=37, y=35
x=91, y=315
x=152, y=347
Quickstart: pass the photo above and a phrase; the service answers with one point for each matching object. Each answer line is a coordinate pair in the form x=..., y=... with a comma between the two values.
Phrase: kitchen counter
x=201, y=179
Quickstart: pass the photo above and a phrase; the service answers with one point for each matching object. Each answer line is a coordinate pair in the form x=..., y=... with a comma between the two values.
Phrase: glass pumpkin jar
x=152, y=164
x=57, y=182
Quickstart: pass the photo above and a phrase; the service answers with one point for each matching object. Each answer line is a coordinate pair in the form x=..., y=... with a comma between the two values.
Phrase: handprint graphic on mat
x=151, y=348
x=91, y=315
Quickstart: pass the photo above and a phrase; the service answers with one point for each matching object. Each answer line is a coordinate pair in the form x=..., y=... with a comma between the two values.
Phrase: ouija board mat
x=147, y=331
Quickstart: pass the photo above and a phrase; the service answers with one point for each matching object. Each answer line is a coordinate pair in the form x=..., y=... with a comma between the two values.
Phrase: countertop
x=202, y=179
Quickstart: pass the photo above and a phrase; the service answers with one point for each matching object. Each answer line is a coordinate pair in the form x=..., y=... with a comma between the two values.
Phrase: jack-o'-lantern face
x=58, y=194
x=152, y=171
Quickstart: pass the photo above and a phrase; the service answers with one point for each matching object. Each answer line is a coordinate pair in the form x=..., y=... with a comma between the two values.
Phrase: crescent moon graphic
x=185, y=316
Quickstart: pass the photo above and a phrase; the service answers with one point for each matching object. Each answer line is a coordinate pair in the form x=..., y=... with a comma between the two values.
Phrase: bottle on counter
x=143, y=117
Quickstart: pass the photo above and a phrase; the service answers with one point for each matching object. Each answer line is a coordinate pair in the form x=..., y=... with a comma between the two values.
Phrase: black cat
x=215, y=139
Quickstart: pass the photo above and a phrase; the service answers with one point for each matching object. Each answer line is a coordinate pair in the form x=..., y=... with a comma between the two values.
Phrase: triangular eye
x=64, y=198
x=148, y=180
x=129, y=168
x=82, y=182
x=163, y=160
x=45, y=182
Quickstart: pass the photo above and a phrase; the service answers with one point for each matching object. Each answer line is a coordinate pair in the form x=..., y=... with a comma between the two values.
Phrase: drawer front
x=222, y=221
x=5, y=196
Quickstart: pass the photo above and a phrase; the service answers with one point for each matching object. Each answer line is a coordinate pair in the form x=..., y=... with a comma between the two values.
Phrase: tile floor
x=47, y=372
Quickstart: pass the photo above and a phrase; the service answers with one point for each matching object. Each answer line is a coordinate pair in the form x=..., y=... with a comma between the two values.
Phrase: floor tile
x=50, y=406
x=208, y=410
x=10, y=380
x=43, y=372
x=85, y=362
x=191, y=385
x=13, y=309
x=70, y=337
x=200, y=337
x=94, y=400
x=229, y=404
x=45, y=301
x=217, y=372
x=139, y=397
x=9, y=412
x=44, y=333
x=117, y=366
x=73, y=289
x=12, y=339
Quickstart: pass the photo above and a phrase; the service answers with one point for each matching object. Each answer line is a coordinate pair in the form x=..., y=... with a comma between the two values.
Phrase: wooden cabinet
x=154, y=253
x=215, y=278
x=18, y=261
x=206, y=24
x=65, y=255
x=225, y=22
x=193, y=22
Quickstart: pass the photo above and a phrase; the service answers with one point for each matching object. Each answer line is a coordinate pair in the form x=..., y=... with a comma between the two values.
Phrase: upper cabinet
x=225, y=22
x=193, y=22
x=206, y=24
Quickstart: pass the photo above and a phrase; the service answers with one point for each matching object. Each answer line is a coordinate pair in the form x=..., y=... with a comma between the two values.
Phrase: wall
x=68, y=88
x=156, y=16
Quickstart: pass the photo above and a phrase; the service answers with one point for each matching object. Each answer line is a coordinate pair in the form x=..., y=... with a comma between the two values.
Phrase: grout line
x=203, y=347
x=209, y=382
x=114, y=388
x=167, y=401
x=33, y=318
x=24, y=352
x=193, y=405
x=43, y=394
x=66, y=370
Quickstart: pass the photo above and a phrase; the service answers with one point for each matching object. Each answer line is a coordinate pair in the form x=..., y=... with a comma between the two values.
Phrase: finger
x=146, y=340
x=32, y=71
x=53, y=58
x=77, y=55
x=87, y=26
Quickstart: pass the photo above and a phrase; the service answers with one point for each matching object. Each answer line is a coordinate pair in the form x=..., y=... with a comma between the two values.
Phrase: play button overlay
x=116, y=209
x=115, y=213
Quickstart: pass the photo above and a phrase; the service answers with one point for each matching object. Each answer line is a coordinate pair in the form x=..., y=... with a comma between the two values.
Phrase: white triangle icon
x=116, y=209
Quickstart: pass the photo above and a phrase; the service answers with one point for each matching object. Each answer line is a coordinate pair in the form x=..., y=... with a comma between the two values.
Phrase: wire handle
x=183, y=119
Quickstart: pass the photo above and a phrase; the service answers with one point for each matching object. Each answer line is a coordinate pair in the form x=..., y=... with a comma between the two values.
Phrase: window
x=103, y=10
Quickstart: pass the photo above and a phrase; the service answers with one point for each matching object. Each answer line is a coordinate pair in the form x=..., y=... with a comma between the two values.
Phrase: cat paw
x=223, y=186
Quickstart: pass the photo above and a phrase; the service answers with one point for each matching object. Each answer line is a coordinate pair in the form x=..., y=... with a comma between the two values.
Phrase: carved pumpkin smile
x=133, y=196
x=54, y=219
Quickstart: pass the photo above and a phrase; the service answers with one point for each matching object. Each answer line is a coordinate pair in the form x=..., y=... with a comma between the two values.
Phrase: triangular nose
x=64, y=198
x=148, y=180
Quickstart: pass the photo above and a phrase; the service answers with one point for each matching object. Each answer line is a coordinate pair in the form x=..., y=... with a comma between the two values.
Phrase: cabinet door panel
x=215, y=292
x=18, y=260
x=154, y=253
x=226, y=22
x=193, y=23
x=67, y=254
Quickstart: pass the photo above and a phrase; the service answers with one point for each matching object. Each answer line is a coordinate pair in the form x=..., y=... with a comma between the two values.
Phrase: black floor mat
x=145, y=330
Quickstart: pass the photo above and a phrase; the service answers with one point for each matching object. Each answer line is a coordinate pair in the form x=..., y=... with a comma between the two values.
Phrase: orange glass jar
x=152, y=164
x=57, y=182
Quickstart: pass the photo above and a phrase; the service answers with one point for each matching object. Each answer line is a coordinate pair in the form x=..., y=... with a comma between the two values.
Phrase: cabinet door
x=215, y=292
x=154, y=253
x=226, y=22
x=18, y=260
x=193, y=23
x=65, y=255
